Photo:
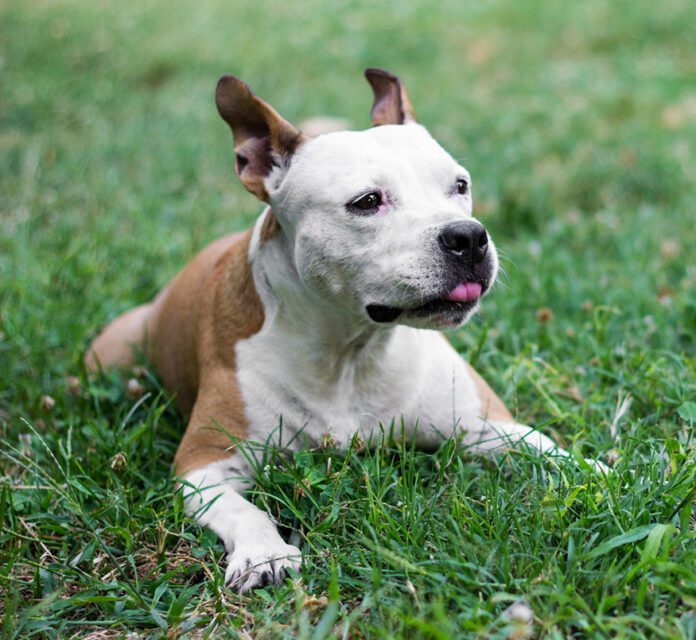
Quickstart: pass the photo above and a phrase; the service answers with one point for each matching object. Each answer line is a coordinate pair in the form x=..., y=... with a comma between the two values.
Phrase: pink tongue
x=465, y=292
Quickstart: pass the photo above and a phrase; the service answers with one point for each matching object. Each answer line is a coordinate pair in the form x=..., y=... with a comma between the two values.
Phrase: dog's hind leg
x=119, y=341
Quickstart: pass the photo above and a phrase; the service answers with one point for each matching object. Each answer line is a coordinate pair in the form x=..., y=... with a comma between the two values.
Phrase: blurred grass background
x=576, y=120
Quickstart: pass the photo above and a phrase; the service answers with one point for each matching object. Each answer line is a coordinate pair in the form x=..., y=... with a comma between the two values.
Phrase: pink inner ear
x=253, y=158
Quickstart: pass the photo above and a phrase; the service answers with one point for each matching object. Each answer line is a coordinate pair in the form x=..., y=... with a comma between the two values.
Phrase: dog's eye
x=462, y=187
x=368, y=202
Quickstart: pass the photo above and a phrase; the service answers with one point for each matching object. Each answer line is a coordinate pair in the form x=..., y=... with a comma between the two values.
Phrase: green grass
x=577, y=121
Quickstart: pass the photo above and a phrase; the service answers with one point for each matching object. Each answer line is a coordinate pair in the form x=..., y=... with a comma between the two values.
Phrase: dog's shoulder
x=211, y=304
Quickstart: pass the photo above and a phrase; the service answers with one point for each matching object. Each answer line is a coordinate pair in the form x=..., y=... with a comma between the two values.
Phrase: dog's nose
x=465, y=238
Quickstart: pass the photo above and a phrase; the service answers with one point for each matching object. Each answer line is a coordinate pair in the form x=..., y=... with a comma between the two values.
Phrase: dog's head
x=378, y=222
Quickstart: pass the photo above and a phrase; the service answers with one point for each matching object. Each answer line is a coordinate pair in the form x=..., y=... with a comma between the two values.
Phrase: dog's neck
x=320, y=337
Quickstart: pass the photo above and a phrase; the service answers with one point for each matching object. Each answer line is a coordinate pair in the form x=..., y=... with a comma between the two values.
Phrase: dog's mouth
x=455, y=303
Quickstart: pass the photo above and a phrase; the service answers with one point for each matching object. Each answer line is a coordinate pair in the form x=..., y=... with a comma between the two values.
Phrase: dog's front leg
x=496, y=436
x=214, y=476
x=256, y=554
x=497, y=430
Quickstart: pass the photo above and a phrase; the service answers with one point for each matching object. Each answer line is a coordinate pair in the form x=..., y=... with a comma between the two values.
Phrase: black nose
x=466, y=238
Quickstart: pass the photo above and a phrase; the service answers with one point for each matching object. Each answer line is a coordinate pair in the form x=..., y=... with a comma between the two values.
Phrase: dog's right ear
x=262, y=138
x=391, y=105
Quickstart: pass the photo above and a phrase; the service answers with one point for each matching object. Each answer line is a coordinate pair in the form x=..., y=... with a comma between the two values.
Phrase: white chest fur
x=400, y=374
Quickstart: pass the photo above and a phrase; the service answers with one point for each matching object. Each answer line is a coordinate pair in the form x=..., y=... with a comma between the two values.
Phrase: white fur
x=256, y=234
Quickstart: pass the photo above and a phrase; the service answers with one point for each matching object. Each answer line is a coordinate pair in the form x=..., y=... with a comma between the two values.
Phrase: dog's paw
x=251, y=567
x=598, y=466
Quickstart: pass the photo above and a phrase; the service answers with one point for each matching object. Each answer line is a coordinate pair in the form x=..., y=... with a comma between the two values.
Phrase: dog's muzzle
x=466, y=275
x=460, y=300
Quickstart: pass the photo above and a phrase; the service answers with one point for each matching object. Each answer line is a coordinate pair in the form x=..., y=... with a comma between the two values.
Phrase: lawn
x=578, y=124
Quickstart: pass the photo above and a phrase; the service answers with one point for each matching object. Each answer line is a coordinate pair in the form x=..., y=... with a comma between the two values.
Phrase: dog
x=325, y=315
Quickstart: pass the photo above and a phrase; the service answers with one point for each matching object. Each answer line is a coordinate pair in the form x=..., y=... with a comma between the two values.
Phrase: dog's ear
x=262, y=138
x=391, y=105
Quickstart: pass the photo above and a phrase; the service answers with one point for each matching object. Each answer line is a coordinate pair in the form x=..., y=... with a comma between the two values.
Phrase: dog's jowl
x=325, y=314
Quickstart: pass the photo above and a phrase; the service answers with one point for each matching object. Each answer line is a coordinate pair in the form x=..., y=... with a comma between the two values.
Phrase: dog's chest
x=417, y=380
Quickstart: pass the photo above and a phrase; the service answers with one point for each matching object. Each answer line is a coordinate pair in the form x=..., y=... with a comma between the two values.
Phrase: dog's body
x=325, y=314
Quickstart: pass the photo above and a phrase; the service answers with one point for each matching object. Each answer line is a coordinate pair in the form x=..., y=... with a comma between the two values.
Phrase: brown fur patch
x=270, y=227
x=174, y=330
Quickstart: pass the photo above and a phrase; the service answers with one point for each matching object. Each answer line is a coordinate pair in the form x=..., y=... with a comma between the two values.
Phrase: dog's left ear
x=262, y=138
x=391, y=105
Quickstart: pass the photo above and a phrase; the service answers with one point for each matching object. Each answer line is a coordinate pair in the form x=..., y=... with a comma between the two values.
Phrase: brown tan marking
x=230, y=311
x=191, y=329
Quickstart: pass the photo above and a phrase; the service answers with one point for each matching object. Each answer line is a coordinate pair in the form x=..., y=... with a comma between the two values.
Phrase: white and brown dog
x=325, y=314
